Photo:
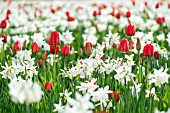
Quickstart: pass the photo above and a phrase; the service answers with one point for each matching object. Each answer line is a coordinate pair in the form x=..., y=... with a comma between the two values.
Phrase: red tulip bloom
x=17, y=46
x=114, y=45
x=40, y=63
x=130, y=30
x=44, y=56
x=116, y=94
x=54, y=49
x=4, y=38
x=123, y=46
x=65, y=50
x=102, y=58
x=160, y=20
x=88, y=48
x=148, y=50
x=70, y=19
x=48, y=86
x=118, y=15
x=54, y=38
x=128, y=14
x=95, y=13
x=67, y=13
x=3, y=24
x=53, y=10
x=156, y=55
x=35, y=47
x=157, y=6
x=8, y=12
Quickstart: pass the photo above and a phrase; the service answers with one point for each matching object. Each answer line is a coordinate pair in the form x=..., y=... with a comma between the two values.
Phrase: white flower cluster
x=23, y=91
x=159, y=77
x=21, y=63
x=67, y=37
x=81, y=104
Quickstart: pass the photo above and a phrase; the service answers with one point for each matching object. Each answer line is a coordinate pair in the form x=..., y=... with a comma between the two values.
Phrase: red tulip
x=40, y=63
x=102, y=58
x=69, y=18
x=156, y=55
x=17, y=46
x=8, y=12
x=48, y=86
x=3, y=24
x=54, y=49
x=53, y=10
x=65, y=50
x=67, y=13
x=54, y=38
x=160, y=20
x=169, y=5
x=128, y=14
x=35, y=47
x=4, y=38
x=148, y=50
x=116, y=94
x=130, y=30
x=114, y=45
x=88, y=48
x=95, y=13
x=123, y=46
x=118, y=15
x=131, y=44
x=44, y=56
x=157, y=6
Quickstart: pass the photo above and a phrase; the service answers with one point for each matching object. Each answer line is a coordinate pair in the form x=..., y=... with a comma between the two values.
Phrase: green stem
x=27, y=108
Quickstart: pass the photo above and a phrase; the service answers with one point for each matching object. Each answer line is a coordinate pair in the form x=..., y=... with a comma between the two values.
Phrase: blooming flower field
x=85, y=56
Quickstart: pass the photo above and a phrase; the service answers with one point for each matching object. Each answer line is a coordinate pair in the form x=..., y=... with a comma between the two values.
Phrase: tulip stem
x=27, y=108
x=54, y=70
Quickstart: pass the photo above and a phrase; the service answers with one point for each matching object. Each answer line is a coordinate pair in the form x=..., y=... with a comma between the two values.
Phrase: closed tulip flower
x=116, y=95
x=35, y=47
x=48, y=86
x=128, y=14
x=44, y=56
x=123, y=46
x=3, y=24
x=40, y=63
x=65, y=50
x=130, y=30
x=4, y=38
x=17, y=46
x=148, y=50
x=131, y=44
x=160, y=20
x=88, y=48
x=156, y=55
x=54, y=49
x=54, y=38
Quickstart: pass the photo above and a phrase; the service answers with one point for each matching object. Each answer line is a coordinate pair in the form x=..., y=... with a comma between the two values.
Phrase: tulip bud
x=156, y=55
x=25, y=44
x=148, y=50
x=131, y=44
x=70, y=19
x=88, y=48
x=67, y=13
x=4, y=38
x=54, y=38
x=118, y=15
x=138, y=44
x=123, y=46
x=102, y=58
x=80, y=52
x=130, y=30
x=128, y=14
x=17, y=46
x=40, y=63
x=95, y=13
x=65, y=50
x=157, y=6
x=116, y=94
x=160, y=20
x=54, y=49
x=10, y=52
x=48, y=86
x=3, y=24
x=53, y=10
x=44, y=56
x=105, y=48
x=35, y=48
x=140, y=60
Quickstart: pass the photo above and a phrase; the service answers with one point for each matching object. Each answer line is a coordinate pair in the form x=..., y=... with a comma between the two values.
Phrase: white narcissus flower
x=22, y=91
x=136, y=88
x=38, y=38
x=81, y=104
x=66, y=94
x=88, y=86
x=152, y=92
x=67, y=37
x=161, y=37
x=159, y=77
x=101, y=95
x=168, y=39
x=157, y=111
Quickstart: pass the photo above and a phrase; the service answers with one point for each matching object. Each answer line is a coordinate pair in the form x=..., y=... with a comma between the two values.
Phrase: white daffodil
x=152, y=92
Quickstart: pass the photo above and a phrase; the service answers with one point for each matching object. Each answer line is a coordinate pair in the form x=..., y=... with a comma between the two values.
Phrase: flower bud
x=128, y=14
x=118, y=15
x=44, y=56
x=138, y=44
x=116, y=94
x=131, y=44
x=160, y=20
x=80, y=52
x=4, y=38
x=123, y=46
x=48, y=86
x=148, y=50
x=114, y=45
x=3, y=24
x=130, y=30
x=156, y=55
x=35, y=48
x=54, y=49
x=65, y=50
x=88, y=48
x=17, y=46
x=40, y=63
